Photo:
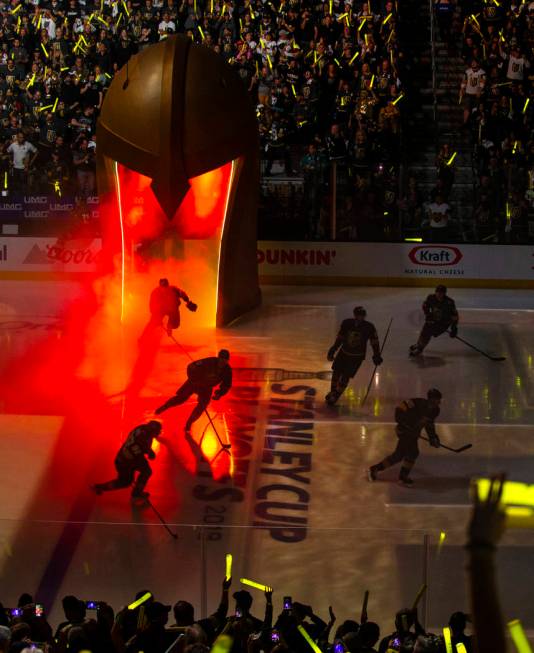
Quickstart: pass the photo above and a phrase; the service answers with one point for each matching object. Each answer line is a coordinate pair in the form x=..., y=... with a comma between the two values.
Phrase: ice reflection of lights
x=376, y=407
x=363, y=432
x=518, y=381
x=377, y=378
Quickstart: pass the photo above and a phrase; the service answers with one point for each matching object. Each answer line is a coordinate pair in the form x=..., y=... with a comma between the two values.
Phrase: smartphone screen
x=275, y=637
x=39, y=610
x=288, y=603
x=91, y=605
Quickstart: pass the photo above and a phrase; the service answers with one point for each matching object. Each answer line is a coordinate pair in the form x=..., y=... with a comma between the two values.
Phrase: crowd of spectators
x=496, y=94
x=321, y=74
x=145, y=625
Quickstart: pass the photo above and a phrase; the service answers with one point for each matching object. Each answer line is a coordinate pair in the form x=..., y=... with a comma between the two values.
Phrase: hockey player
x=348, y=352
x=165, y=301
x=131, y=459
x=440, y=314
x=411, y=416
x=202, y=376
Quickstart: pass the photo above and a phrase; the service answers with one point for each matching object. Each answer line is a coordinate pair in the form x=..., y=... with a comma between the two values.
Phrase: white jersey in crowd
x=516, y=68
x=20, y=152
x=438, y=215
x=474, y=81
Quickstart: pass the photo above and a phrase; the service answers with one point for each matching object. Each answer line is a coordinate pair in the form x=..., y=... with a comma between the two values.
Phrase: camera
x=92, y=605
x=288, y=603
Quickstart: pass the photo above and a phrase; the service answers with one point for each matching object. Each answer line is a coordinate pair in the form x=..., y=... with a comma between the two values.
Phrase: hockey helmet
x=359, y=310
x=224, y=354
x=433, y=393
x=155, y=427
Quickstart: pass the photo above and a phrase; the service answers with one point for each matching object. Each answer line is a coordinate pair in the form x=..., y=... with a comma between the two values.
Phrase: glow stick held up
x=354, y=58
x=527, y=101
x=140, y=601
x=451, y=160
x=447, y=638
x=258, y=586
x=397, y=99
x=228, y=566
x=310, y=641
x=44, y=50
x=17, y=8
x=518, y=636
x=420, y=593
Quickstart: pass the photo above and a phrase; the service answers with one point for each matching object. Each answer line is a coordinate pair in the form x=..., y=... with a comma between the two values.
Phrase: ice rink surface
x=291, y=502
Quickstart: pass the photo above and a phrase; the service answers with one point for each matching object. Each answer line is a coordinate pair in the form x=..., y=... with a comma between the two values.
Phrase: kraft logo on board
x=435, y=255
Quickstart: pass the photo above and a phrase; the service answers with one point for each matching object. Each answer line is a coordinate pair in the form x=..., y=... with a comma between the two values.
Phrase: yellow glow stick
x=48, y=106
x=353, y=58
x=519, y=637
x=330, y=6
x=107, y=75
x=420, y=593
x=125, y=8
x=5, y=179
x=118, y=20
x=64, y=68
x=222, y=644
x=513, y=494
x=55, y=105
x=140, y=601
x=228, y=566
x=201, y=32
x=337, y=62
x=102, y=20
x=310, y=641
x=44, y=50
x=447, y=638
x=387, y=18
x=57, y=188
x=31, y=80
x=372, y=81
x=340, y=18
x=475, y=19
x=14, y=11
x=450, y=161
x=293, y=89
x=362, y=24
x=398, y=99
x=39, y=22
x=258, y=586
x=270, y=62
x=526, y=105
x=460, y=648
x=413, y=240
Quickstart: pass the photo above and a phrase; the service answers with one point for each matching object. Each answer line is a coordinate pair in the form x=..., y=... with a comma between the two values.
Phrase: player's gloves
x=331, y=354
x=151, y=455
x=453, y=331
x=434, y=441
x=377, y=359
x=191, y=306
x=216, y=395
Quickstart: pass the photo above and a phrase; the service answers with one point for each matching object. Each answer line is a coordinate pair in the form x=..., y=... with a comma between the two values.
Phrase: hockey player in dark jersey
x=165, y=301
x=131, y=459
x=411, y=416
x=202, y=376
x=348, y=352
x=440, y=314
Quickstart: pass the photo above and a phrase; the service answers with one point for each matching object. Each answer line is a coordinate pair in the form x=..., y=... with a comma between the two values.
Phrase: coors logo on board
x=435, y=255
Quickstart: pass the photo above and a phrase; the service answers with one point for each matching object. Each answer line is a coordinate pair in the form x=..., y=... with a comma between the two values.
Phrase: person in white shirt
x=166, y=26
x=472, y=87
x=438, y=220
x=516, y=65
x=23, y=155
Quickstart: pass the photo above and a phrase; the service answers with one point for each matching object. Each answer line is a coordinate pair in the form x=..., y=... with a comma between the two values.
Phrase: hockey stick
x=492, y=358
x=444, y=446
x=376, y=366
x=173, y=535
